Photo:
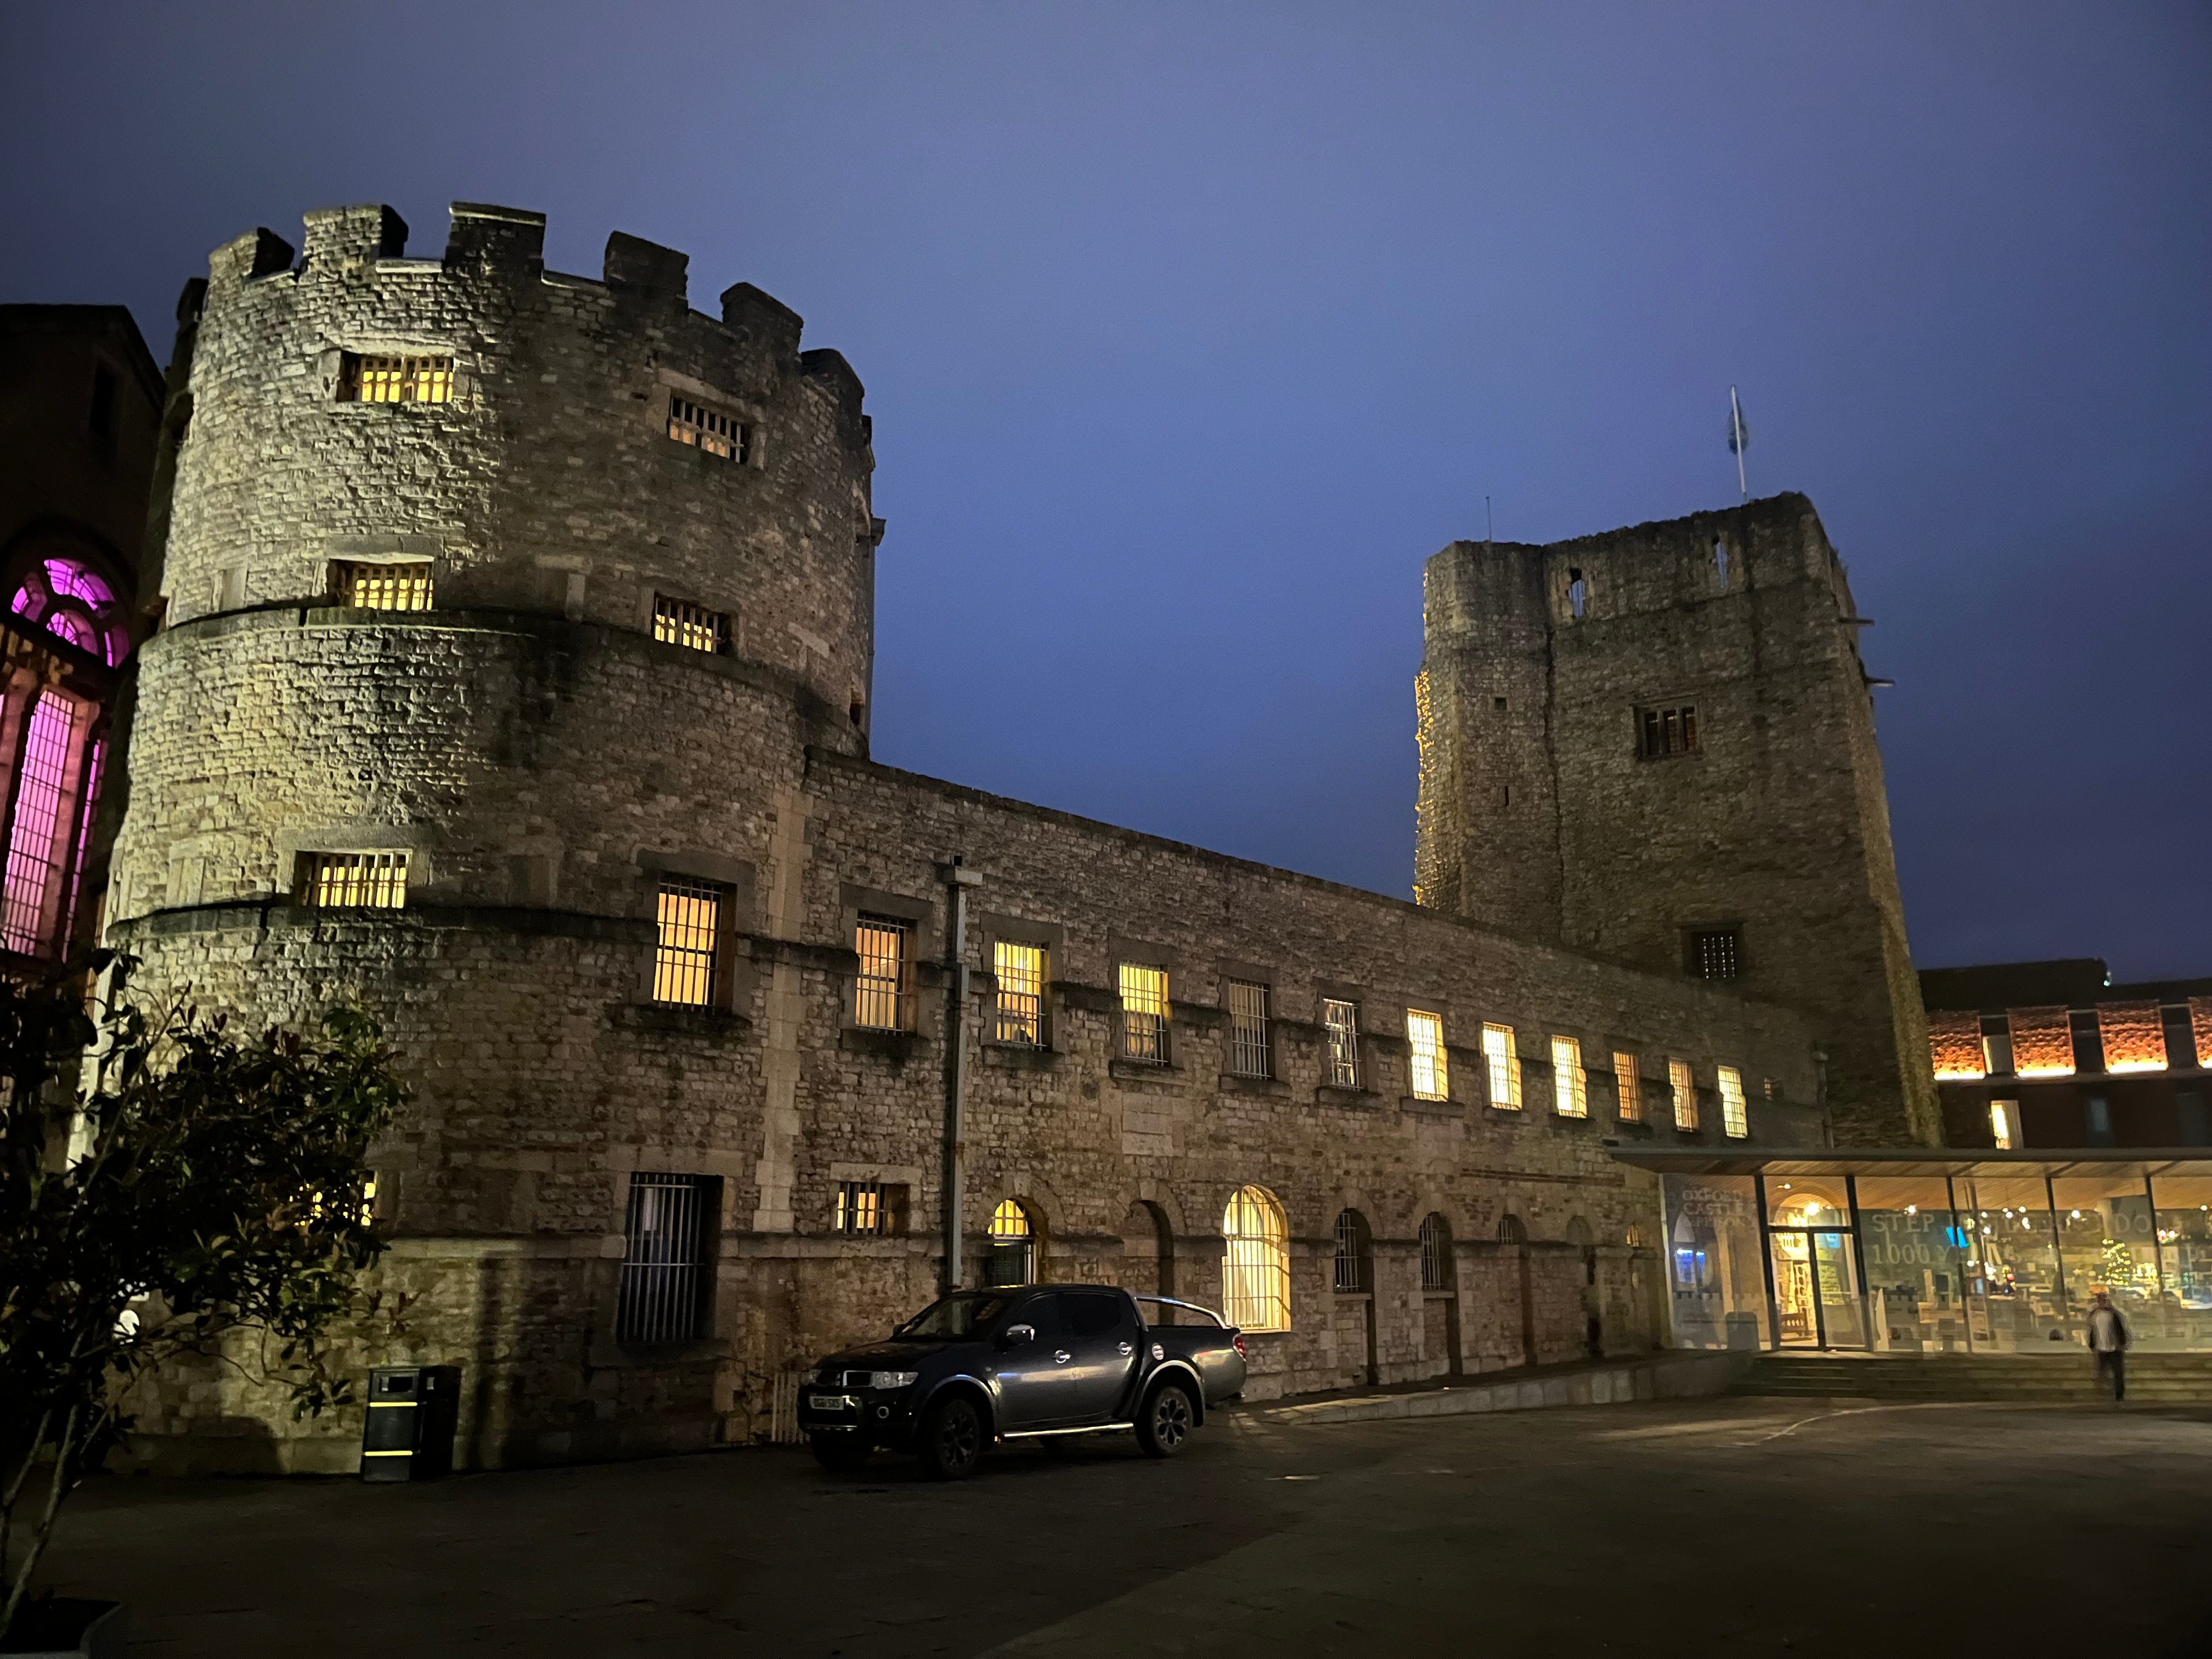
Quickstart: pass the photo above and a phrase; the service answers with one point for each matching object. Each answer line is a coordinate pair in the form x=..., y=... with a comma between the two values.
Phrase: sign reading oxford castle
x=513, y=678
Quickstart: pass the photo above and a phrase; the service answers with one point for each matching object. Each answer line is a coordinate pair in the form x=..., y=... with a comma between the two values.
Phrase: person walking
x=2108, y=1340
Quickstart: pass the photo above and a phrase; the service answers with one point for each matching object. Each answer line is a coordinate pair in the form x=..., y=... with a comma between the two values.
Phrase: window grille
x=1717, y=953
x=1355, y=1255
x=386, y=586
x=1255, y=1262
x=1013, y=1245
x=88, y=801
x=709, y=430
x=879, y=999
x=1248, y=1029
x=1684, y=1093
x=1425, y=1047
x=1144, y=1013
x=372, y=881
x=1570, y=1095
x=1503, y=1065
x=690, y=914
x=1438, y=1271
x=1629, y=1086
x=1734, y=1121
x=397, y=381
x=1020, y=1013
x=1341, y=1019
x=871, y=1206
x=677, y=621
x=35, y=843
x=664, y=1277
x=1670, y=732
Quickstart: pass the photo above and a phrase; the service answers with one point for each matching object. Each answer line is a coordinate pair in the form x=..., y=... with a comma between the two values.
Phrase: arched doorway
x=1440, y=1293
x=1513, y=1234
x=1580, y=1236
x=1256, y=1261
x=1355, y=1289
x=1016, y=1253
x=1148, y=1257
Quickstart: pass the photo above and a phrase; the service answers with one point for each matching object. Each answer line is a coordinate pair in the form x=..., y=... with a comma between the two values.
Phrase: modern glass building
x=1913, y=1252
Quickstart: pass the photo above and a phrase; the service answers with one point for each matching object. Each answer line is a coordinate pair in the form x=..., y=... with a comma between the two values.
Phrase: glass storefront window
x=2184, y=1259
x=2013, y=1300
x=2106, y=1241
x=1916, y=1297
x=1816, y=1282
x=1716, y=1290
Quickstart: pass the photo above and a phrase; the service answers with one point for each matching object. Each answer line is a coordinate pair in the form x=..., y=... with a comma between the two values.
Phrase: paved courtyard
x=1701, y=1527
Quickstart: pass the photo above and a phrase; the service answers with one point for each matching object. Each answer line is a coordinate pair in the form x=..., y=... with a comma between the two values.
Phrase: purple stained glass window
x=88, y=798
x=34, y=843
x=73, y=603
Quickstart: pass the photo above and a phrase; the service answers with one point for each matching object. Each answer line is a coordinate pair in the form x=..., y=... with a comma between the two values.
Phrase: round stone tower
x=501, y=606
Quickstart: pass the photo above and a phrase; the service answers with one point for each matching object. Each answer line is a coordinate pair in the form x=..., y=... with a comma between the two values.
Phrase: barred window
x=1438, y=1270
x=871, y=1206
x=1569, y=1090
x=38, y=836
x=709, y=429
x=1734, y=1118
x=405, y=586
x=1248, y=1029
x=1425, y=1047
x=396, y=380
x=1630, y=1087
x=1665, y=732
x=1144, y=1013
x=1355, y=1255
x=1716, y=952
x=1256, y=1261
x=372, y=881
x=1019, y=1016
x=1685, y=1092
x=880, y=1002
x=664, y=1271
x=690, y=916
x=1342, y=1020
x=679, y=621
x=1503, y=1065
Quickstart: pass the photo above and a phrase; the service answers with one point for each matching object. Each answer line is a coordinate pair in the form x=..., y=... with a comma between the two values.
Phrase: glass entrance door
x=1816, y=1289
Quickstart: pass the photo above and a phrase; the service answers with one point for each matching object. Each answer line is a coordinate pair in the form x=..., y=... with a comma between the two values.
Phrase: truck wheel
x=951, y=1439
x=1165, y=1422
x=838, y=1453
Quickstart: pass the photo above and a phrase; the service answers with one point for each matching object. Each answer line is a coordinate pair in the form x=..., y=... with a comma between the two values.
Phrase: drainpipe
x=958, y=880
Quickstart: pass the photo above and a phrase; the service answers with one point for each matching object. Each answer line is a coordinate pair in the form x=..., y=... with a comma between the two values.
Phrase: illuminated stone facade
x=1656, y=746
x=550, y=768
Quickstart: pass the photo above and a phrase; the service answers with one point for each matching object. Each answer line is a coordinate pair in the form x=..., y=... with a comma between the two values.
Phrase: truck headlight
x=894, y=1379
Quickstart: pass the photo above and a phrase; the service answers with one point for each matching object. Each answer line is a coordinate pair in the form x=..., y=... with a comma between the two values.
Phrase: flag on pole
x=1739, y=439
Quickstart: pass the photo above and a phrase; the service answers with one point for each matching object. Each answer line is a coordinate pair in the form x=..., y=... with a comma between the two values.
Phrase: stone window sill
x=1237, y=1082
x=1021, y=1056
x=1433, y=1107
x=670, y=1019
x=862, y=1040
x=1147, y=1071
x=1331, y=1094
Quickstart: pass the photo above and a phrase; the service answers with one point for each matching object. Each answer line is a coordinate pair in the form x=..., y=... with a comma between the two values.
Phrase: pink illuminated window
x=88, y=798
x=35, y=845
x=69, y=602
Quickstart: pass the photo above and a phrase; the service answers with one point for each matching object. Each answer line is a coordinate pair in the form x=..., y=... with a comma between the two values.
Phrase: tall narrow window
x=1424, y=1051
x=1437, y=1259
x=1248, y=1054
x=1628, y=1085
x=1503, y=1065
x=1685, y=1092
x=1668, y=731
x=1570, y=1095
x=709, y=430
x=1020, y=1014
x=1255, y=1262
x=1341, y=1021
x=1144, y=1013
x=880, y=1002
x=1735, y=1121
x=370, y=881
x=405, y=586
x=690, y=914
x=1355, y=1255
x=663, y=1271
x=679, y=621
x=36, y=842
x=1717, y=953
x=88, y=802
x=2004, y=1124
x=397, y=381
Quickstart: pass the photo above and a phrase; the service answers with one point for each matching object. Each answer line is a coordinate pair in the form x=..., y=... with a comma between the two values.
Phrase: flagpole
x=1735, y=425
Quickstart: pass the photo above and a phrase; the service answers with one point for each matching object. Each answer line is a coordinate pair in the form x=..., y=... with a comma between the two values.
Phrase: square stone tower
x=1657, y=745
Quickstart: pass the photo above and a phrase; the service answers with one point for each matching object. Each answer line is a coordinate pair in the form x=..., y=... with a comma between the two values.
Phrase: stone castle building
x=513, y=677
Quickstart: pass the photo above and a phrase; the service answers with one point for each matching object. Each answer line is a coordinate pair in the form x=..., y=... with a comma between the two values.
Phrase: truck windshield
x=955, y=1317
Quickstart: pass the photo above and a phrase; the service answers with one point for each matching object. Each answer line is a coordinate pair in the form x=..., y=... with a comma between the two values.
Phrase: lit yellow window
x=386, y=586
x=860, y=1207
x=1685, y=1092
x=398, y=381
x=879, y=999
x=1569, y=1090
x=1255, y=1262
x=1733, y=1119
x=1020, y=972
x=709, y=429
x=1627, y=1081
x=1503, y=1065
x=690, y=921
x=1425, y=1049
x=1013, y=1254
x=2004, y=1124
x=1144, y=1013
x=675, y=622
x=374, y=881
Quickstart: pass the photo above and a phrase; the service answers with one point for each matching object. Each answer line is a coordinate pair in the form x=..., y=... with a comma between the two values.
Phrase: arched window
x=70, y=602
x=1511, y=1232
x=47, y=826
x=1355, y=1254
x=1438, y=1271
x=1013, y=1256
x=1255, y=1263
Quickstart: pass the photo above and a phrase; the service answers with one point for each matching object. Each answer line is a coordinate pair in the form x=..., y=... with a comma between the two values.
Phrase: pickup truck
x=979, y=1368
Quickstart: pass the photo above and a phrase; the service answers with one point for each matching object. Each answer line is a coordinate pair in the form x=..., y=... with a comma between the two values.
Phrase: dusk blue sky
x=1191, y=330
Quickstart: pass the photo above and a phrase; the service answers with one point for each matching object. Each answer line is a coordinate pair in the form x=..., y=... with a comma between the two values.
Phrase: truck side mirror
x=1014, y=1334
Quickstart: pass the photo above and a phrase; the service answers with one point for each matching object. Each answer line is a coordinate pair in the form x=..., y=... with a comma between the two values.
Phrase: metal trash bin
x=412, y=1412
